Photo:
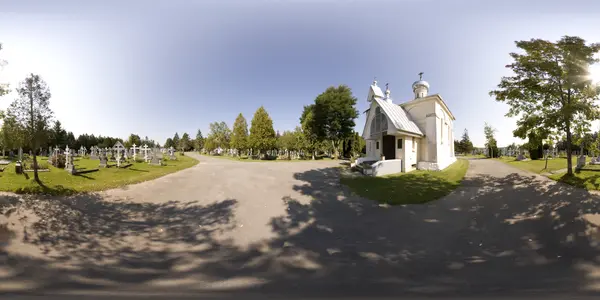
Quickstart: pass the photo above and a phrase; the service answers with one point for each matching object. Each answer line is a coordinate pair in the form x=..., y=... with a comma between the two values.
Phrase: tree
x=262, y=134
x=31, y=112
x=358, y=143
x=58, y=136
x=71, y=141
x=528, y=128
x=220, y=134
x=308, y=126
x=488, y=132
x=239, y=136
x=176, y=140
x=551, y=80
x=185, y=142
x=169, y=143
x=288, y=141
x=3, y=87
x=334, y=115
x=12, y=133
x=199, y=142
x=209, y=144
x=133, y=139
x=466, y=146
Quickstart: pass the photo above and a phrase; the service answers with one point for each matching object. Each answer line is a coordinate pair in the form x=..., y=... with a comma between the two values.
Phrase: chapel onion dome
x=420, y=83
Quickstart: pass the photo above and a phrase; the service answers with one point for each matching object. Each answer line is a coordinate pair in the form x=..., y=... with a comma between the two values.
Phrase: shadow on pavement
x=492, y=236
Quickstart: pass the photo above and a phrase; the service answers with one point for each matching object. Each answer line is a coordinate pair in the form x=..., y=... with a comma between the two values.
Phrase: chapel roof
x=398, y=116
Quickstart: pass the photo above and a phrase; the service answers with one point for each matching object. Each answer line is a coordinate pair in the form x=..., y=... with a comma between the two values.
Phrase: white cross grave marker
x=145, y=152
x=134, y=147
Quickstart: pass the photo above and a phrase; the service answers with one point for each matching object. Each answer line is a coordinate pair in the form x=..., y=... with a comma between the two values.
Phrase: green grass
x=471, y=156
x=249, y=159
x=537, y=166
x=60, y=182
x=409, y=188
x=588, y=177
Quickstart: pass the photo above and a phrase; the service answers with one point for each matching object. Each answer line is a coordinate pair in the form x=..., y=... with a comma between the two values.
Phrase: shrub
x=59, y=161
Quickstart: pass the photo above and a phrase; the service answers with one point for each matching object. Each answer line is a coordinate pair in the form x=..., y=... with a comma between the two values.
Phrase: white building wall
x=411, y=151
x=445, y=139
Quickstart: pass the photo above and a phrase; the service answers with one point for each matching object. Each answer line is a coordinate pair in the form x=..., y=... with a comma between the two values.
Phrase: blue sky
x=160, y=67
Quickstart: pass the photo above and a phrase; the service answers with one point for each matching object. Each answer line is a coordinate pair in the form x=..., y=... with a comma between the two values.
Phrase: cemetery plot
x=82, y=174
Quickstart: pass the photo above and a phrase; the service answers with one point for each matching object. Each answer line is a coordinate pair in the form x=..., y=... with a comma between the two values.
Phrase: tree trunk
x=33, y=135
x=546, y=167
x=335, y=149
x=568, y=146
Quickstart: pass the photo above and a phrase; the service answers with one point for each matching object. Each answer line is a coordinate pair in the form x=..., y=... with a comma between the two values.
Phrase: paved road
x=250, y=229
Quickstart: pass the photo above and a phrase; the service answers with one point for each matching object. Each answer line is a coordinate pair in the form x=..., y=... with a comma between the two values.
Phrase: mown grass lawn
x=60, y=182
x=409, y=188
x=588, y=177
x=537, y=166
x=249, y=159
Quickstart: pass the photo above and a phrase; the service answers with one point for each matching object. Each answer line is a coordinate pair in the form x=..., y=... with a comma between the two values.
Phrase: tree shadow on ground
x=93, y=243
x=41, y=188
x=493, y=235
x=516, y=234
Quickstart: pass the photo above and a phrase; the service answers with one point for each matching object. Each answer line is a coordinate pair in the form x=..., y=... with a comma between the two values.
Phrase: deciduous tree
x=31, y=112
x=334, y=114
x=551, y=80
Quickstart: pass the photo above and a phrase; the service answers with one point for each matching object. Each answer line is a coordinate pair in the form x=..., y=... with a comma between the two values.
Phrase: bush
x=59, y=161
x=536, y=153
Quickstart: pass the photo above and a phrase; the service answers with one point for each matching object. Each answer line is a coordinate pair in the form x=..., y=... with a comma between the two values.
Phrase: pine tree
x=466, y=146
x=239, y=136
x=184, y=142
x=176, y=140
x=262, y=134
x=199, y=140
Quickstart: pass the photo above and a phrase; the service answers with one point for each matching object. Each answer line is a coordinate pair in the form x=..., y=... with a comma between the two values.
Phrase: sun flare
x=594, y=71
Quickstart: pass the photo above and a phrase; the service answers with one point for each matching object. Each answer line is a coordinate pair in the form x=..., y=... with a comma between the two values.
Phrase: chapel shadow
x=491, y=236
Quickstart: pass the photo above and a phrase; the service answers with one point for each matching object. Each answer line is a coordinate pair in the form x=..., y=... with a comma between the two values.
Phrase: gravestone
x=134, y=148
x=103, y=160
x=69, y=165
x=156, y=158
x=118, y=149
x=20, y=154
x=146, y=157
x=580, y=161
x=172, y=154
x=118, y=158
x=94, y=153
x=520, y=157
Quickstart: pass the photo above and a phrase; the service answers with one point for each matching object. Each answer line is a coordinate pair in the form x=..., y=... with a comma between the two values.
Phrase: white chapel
x=402, y=137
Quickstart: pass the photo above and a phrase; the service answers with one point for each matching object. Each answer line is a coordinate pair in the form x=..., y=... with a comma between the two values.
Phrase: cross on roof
x=421, y=76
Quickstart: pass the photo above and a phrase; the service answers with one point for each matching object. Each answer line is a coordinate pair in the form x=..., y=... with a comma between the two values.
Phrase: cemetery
x=68, y=171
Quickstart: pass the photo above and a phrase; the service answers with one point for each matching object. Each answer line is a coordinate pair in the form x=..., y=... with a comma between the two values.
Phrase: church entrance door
x=388, y=147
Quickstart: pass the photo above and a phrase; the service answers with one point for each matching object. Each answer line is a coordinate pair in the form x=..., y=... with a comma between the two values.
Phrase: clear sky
x=159, y=67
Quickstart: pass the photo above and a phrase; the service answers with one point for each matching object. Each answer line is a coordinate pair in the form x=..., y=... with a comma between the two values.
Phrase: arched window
x=379, y=122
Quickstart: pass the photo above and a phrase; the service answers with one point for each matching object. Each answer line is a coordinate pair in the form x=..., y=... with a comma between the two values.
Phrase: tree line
x=325, y=126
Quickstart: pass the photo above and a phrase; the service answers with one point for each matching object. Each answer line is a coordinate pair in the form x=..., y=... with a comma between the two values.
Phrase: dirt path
x=291, y=229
